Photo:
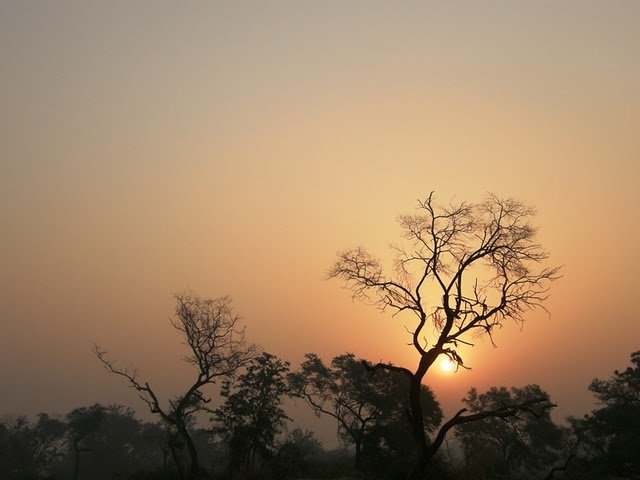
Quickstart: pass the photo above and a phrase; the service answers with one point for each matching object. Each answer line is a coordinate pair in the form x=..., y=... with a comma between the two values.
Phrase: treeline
x=250, y=435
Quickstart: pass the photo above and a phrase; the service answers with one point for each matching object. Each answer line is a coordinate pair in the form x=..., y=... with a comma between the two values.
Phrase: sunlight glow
x=446, y=365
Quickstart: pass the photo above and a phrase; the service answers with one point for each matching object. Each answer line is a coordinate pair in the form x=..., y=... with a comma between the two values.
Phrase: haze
x=149, y=148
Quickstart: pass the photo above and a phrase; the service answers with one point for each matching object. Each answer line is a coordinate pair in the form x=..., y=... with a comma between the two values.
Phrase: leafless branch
x=483, y=261
x=217, y=348
x=503, y=412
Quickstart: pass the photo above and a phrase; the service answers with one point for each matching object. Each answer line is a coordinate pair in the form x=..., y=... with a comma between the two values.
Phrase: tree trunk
x=358, y=454
x=176, y=460
x=165, y=454
x=417, y=427
x=76, y=461
x=194, y=469
x=423, y=452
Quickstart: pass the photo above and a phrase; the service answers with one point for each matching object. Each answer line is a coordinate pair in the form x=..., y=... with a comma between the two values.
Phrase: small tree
x=252, y=415
x=82, y=424
x=48, y=441
x=463, y=270
x=296, y=454
x=360, y=402
x=609, y=439
x=158, y=437
x=511, y=444
x=217, y=349
x=30, y=450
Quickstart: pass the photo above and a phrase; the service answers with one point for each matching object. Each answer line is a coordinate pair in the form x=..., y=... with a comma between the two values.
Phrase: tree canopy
x=252, y=416
x=608, y=437
x=511, y=444
x=371, y=408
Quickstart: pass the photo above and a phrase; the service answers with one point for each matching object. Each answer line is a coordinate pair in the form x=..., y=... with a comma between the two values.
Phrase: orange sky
x=235, y=147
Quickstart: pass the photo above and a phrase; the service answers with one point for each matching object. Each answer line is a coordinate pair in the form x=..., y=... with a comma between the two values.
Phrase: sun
x=446, y=365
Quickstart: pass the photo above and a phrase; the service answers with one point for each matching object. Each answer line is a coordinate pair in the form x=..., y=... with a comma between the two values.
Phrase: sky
x=150, y=148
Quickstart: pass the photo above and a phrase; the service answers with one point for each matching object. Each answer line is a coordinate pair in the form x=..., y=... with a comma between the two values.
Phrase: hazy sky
x=234, y=147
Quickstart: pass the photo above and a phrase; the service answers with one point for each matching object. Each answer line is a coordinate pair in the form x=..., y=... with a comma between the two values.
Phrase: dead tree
x=462, y=271
x=217, y=349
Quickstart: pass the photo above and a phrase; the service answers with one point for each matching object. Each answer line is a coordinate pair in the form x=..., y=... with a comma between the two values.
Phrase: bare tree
x=217, y=349
x=478, y=263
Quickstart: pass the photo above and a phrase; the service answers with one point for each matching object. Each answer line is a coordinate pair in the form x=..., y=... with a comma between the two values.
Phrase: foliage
x=515, y=444
x=88, y=442
x=252, y=414
x=370, y=407
x=608, y=437
x=83, y=423
x=505, y=433
x=28, y=449
x=108, y=441
x=296, y=454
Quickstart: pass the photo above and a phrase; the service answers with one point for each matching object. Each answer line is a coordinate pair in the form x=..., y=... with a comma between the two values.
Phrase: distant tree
x=97, y=442
x=83, y=424
x=217, y=350
x=481, y=259
x=360, y=402
x=252, y=415
x=304, y=442
x=30, y=449
x=528, y=442
x=48, y=444
x=17, y=459
x=158, y=436
x=4, y=449
x=116, y=447
x=609, y=437
x=296, y=454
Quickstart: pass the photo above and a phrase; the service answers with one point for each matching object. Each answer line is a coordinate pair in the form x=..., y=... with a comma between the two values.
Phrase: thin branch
x=500, y=412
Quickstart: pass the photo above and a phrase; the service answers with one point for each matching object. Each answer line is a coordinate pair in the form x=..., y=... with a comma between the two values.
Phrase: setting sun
x=446, y=365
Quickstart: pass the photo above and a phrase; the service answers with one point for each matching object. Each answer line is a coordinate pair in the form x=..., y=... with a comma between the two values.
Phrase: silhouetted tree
x=252, y=415
x=217, y=350
x=28, y=450
x=481, y=259
x=5, y=466
x=5, y=441
x=96, y=442
x=609, y=437
x=158, y=437
x=388, y=443
x=511, y=444
x=48, y=441
x=296, y=453
x=117, y=446
x=82, y=424
x=360, y=402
